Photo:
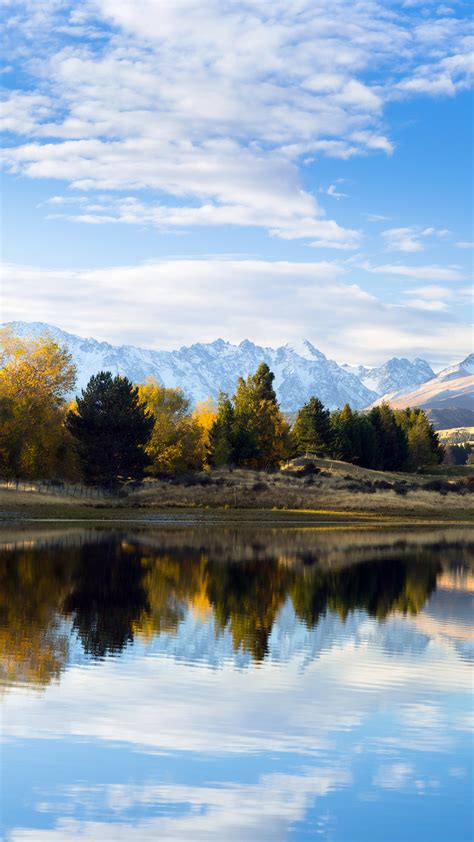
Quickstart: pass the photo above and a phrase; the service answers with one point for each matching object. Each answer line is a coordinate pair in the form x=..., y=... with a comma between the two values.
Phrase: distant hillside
x=447, y=418
x=202, y=370
x=449, y=397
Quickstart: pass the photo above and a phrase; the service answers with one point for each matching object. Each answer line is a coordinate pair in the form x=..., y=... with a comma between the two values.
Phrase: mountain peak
x=398, y=374
x=304, y=348
x=468, y=364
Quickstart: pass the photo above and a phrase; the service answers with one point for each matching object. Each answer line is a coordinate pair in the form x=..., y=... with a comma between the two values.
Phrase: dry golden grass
x=341, y=489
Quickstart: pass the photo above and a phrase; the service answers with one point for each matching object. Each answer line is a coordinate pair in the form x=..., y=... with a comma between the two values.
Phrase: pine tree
x=311, y=431
x=392, y=440
x=261, y=432
x=369, y=455
x=222, y=434
x=341, y=443
x=111, y=427
x=424, y=448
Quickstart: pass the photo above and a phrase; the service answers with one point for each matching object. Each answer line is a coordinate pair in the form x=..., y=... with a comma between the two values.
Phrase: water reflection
x=242, y=685
x=113, y=588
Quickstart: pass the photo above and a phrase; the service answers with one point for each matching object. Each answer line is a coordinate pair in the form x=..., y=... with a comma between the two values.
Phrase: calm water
x=226, y=684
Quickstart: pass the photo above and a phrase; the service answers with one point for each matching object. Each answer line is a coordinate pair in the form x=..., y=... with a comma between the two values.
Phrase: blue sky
x=178, y=171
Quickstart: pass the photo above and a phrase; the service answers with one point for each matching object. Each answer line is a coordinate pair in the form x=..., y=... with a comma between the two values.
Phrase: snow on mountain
x=453, y=372
x=359, y=371
x=204, y=369
x=452, y=388
x=398, y=374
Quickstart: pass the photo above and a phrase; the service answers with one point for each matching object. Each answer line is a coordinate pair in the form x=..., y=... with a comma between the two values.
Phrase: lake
x=226, y=683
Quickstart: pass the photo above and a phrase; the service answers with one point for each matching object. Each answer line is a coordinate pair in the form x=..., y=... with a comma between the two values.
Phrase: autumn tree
x=111, y=427
x=205, y=414
x=35, y=376
x=177, y=441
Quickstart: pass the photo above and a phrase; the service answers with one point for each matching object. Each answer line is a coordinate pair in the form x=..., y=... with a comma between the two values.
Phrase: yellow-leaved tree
x=35, y=375
x=176, y=444
x=205, y=413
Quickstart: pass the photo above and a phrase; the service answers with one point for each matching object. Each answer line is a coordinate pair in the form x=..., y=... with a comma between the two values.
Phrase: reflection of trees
x=114, y=590
x=171, y=585
x=33, y=644
x=377, y=587
x=108, y=596
x=246, y=597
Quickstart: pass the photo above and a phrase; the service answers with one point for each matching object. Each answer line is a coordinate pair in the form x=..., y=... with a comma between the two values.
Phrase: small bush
x=439, y=485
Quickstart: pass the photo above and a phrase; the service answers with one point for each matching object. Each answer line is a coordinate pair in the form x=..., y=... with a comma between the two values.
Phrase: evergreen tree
x=341, y=442
x=311, y=431
x=424, y=448
x=261, y=432
x=222, y=434
x=369, y=455
x=392, y=440
x=111, y=427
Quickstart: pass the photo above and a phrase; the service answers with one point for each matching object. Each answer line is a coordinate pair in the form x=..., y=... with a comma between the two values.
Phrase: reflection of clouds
x=403, y=777
x=235, y=812
x=160, y=704
x=322, y=695
x=394, y=776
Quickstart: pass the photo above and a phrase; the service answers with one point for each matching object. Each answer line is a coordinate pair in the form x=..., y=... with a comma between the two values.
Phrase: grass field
x=336, y=491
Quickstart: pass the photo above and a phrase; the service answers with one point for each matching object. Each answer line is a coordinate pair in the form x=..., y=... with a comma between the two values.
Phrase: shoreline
x=222, y=516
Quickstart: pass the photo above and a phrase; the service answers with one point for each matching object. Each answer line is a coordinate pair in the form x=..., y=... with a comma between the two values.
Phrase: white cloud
x=168, y=303
x=432, y=292
x=376, y=217
x=333, y=191
x=215, y=107
x=410, y=239
x=444, y=76
x=402, y=239
x=422, y=273
x=284, y=219
x=431, y=297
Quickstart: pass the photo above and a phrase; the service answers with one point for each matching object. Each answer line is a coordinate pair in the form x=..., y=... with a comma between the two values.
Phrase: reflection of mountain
x=450, y=611
x=117, y=589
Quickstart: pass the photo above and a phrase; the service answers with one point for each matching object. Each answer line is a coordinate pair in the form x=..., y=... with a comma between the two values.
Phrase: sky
x=176, y=171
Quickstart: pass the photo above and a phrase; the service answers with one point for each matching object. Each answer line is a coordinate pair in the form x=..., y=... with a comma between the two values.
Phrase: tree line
x=117, y=430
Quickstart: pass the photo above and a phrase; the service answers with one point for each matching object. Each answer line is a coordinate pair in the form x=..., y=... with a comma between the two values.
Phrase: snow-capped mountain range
x=405, y=373
x=202, y=370
x=453, y=386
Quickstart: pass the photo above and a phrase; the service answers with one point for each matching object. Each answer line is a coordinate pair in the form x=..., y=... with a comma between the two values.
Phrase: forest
x=117, y=431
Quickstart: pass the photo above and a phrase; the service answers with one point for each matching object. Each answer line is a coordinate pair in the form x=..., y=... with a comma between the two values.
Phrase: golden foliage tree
x=35, y=375
x=176, y=443
x=205, y=414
